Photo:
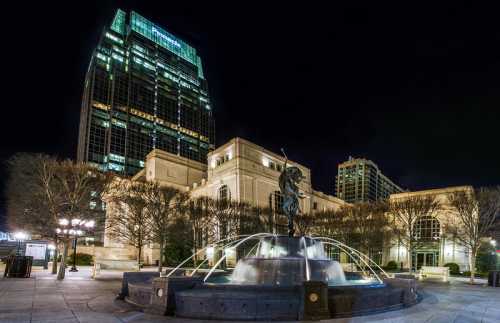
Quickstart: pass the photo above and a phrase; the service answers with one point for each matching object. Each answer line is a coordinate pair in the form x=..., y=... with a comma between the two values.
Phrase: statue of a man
x=289, y=180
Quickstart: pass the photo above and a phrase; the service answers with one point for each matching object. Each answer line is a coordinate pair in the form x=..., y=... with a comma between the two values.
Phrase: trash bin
x=18, y=266
x=494, y=278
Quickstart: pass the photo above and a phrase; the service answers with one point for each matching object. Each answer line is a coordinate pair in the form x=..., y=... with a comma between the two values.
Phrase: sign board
x=36, y=250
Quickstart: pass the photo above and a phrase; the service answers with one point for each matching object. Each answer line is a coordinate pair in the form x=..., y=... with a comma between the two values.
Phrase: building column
x=441, y=251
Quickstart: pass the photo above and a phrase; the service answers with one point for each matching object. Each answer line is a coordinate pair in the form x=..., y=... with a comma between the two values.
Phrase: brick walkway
x=80, y=299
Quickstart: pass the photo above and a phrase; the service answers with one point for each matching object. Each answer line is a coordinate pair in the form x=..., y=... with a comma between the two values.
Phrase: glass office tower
x=144, y=89
x=360, y=180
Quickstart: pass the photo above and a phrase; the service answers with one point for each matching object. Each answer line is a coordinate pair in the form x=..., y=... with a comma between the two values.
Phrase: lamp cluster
x=75, y=226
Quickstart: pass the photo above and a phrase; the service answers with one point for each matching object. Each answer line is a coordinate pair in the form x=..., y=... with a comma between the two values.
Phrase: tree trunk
x=409, y=259
x=472, y=264
x=54, y=261
x=195, y=257
x=62, y=267
x=139, y=254
x=160, y=262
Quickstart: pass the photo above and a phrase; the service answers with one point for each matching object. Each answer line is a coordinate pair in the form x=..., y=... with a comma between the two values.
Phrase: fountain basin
x=286, y=278
x=233, y=302
x=257, y=302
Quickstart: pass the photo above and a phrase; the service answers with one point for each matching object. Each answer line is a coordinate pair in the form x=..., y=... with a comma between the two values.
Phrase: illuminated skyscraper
x=360, y=180
x=144, y=89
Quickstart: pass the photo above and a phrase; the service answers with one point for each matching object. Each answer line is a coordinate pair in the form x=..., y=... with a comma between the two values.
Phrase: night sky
x=415, y=89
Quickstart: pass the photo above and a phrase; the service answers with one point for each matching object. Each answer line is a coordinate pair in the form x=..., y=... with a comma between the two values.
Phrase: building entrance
x=425, y=258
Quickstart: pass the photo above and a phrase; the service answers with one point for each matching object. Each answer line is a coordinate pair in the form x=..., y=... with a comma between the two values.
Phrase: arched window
x=276, y=202
x=224, y=193
x=427, y=228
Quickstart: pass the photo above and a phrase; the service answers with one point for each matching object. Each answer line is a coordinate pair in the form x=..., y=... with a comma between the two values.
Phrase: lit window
x=276, y=201
x=102, y=57
x=224, y=193
x=116, y=49
x=115, y=167
x=427, y=228
x=117, y=57
x=114, y=38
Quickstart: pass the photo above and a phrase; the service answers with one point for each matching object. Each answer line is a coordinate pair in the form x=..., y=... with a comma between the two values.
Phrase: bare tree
x=255, y=219
x=42, y=190
x=330, y=223
x=304, y=223
x=163, y=204
x=476, y=214
x=129, y=221
x=197, y=215
x=405, y=212
x=221, y=218
x=80, y=185
x=367, y=221
x=34, y=196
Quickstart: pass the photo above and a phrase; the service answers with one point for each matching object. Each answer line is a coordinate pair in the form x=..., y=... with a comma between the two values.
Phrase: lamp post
x=19, y=237
x=77, y=230
x=495, y=259
x=51, y=248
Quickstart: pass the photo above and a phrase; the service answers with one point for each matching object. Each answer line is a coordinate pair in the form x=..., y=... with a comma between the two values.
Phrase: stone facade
x=442, y=249
x=250, y=174
x=242, y=170
x=245, y=172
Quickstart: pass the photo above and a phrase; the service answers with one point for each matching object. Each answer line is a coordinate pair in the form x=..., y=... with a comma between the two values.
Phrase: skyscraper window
x=145, y=90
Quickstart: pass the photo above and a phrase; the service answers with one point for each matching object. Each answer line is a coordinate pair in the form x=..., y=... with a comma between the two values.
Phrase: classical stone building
x=436, y=247
x=239, y=170
x=243, y=171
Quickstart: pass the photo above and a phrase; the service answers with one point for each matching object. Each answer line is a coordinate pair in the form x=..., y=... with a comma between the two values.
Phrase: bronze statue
x=289, y=180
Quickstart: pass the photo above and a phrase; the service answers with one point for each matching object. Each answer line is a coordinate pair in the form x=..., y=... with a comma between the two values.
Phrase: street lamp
x=19, y=237
x=75, y=240
x=76, y=230
x=63, y=222
x=51, y=247
x=494, y=263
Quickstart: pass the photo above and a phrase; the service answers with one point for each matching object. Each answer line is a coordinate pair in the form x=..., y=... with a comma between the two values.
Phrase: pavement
x=81, y=299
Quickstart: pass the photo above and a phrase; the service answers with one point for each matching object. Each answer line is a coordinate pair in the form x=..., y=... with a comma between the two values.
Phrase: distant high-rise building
x=144, y=89
x=360, y=180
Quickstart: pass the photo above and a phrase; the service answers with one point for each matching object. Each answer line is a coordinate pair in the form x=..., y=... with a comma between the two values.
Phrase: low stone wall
x=136, y=279
x=116, y=264
x=105, y=252
x=164, y=290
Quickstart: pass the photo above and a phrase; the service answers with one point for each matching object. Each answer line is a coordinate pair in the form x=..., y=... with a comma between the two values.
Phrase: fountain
x=281, y=260
x=281, y=277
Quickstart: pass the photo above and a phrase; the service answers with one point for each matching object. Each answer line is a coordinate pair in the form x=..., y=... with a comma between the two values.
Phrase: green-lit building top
x=144, y=89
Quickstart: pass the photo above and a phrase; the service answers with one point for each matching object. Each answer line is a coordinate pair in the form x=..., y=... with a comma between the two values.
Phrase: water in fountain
x=287, y=261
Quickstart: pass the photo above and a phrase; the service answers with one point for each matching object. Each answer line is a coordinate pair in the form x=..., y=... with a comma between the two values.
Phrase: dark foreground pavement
x=80, y=299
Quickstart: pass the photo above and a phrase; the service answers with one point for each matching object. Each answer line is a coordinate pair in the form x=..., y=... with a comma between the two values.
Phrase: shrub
x=479, y=274
x=82, y=259
x=454, y=268
x=391, y=265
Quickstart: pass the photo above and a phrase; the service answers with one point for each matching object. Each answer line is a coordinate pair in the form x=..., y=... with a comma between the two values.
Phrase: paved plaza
x=80, y=299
